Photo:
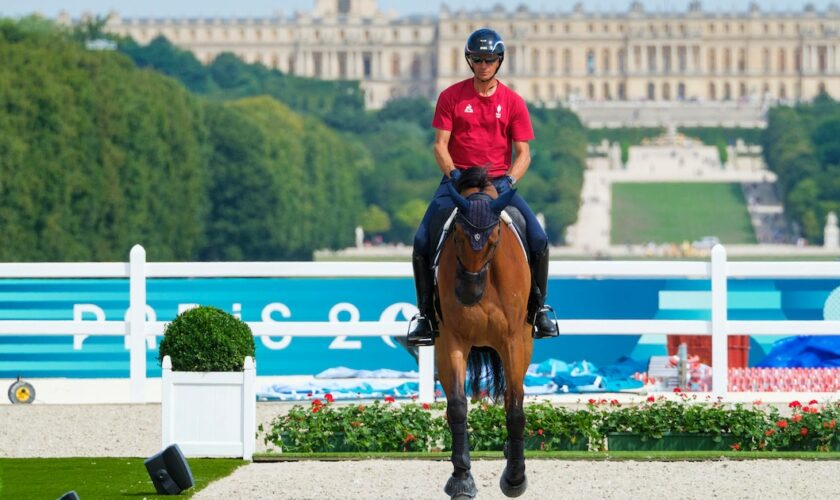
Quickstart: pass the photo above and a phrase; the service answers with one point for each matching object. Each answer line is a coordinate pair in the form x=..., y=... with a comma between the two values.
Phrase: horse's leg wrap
x=456, y=412
x=515, y=445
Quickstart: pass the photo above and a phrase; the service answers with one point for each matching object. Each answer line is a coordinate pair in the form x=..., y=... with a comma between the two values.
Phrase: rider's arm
x=442, y=156
x=522, y=161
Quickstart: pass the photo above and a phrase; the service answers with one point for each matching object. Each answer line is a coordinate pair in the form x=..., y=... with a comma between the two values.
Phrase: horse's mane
x=473, y=177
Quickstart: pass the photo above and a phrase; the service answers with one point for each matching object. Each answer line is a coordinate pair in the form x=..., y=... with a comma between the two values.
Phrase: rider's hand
x=454, y=174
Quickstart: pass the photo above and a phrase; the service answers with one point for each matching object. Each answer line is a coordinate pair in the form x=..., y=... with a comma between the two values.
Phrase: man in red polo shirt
x=480, y=122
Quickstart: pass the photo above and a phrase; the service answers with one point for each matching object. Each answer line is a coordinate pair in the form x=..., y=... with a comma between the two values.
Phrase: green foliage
x=99, y=477
x=375, y=220
x=645, y=212
x=801, y=148
x=207, y=339
x=558, y=158
x=88, y=155
x=324, y=426
x=280, y=184
x=164, y=57
x=810, y=427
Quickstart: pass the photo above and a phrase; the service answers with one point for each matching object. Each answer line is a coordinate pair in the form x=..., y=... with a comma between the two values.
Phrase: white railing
x=137, y=329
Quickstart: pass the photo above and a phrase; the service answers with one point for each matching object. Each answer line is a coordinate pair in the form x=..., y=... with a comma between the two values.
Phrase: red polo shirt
x=483, y=128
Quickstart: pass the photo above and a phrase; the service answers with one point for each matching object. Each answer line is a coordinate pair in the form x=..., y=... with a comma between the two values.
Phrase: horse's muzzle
x=469, y=287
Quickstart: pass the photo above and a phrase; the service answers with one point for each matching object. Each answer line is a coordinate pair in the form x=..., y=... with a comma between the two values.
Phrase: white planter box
x=210, y=414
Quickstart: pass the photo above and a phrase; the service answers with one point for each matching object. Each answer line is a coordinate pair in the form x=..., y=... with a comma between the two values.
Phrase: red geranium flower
x=593, y=402
x=813, y=402
x=389, y=399
x=677, y=389
x=540, y=432
x=804, y=431
x=769, y=432
x=408, y=438
x=329, y=397
x=794, y=404
x=317, y=402
x=796, y=418
x=736, y=447
x=651, y=399
x=781, y=424
x=427, y=406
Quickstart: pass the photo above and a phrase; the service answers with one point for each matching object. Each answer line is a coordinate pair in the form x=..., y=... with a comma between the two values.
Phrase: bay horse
x=483, y=284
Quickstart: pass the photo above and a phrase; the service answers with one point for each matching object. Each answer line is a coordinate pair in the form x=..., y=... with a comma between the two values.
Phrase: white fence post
x=249, y=408
x=137, y=323
x=720, y=335
x=167, y=419
x=426, y=368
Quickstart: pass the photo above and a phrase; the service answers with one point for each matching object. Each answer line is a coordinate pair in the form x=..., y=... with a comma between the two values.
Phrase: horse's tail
x=486, y=372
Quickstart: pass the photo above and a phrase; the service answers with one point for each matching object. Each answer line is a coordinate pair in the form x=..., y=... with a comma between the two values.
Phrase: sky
x=267, y=8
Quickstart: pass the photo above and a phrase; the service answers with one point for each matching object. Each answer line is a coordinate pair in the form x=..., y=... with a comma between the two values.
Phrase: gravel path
x=133, y=430
x=548, y=479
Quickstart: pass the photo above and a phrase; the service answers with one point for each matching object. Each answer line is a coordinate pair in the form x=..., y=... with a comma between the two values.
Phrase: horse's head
x=477, y=231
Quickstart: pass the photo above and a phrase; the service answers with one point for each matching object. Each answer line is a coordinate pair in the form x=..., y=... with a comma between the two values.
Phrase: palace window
x=666, y=92
x=590, y=91
x=416, y=66
x=651, y=91
x=712, y=91
x=342, y=65
x=782, y=61
x=607, y=94
x=567, y=61
x=395, y=65
x=535, y=60
x=590, y=62
x=605, y=57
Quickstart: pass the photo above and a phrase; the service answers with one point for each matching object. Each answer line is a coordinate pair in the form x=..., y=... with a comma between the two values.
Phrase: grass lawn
x=676, y=212
x=97, y=477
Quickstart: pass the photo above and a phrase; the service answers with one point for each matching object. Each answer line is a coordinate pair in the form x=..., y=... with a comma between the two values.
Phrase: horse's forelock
x=473, y=177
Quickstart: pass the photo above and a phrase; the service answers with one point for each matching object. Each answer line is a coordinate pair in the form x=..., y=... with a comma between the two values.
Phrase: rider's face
x=484, y=71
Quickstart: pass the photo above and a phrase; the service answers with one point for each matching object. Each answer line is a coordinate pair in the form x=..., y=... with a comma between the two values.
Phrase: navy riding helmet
x=485, y=41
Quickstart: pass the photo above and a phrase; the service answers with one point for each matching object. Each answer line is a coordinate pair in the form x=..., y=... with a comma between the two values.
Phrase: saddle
x=441, y=223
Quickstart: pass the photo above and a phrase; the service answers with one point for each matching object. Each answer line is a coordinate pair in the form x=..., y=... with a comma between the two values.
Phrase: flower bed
x=600, y=425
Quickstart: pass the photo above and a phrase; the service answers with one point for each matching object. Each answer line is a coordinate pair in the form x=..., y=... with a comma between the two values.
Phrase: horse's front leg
x=514, y=482
x=452, y=370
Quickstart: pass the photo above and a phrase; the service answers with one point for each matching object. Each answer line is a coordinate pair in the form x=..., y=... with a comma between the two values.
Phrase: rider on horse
x=479, y=122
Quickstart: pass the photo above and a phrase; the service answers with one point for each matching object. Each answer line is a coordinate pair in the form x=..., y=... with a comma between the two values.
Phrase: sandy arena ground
x=133, y=430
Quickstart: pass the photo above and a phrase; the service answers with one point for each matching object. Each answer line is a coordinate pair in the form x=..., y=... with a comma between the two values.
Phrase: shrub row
x=390, y=426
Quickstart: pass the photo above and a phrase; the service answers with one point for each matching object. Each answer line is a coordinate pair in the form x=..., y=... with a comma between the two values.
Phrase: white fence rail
x=137, y=329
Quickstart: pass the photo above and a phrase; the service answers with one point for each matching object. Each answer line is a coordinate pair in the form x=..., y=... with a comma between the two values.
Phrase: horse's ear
x=502, y=201
x=459, y=200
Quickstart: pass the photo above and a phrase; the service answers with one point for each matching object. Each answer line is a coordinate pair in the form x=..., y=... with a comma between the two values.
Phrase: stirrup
x=416, y=339
x=536, y=332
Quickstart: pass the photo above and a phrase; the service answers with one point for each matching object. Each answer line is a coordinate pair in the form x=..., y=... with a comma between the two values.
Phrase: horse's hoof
x=461, y=489
x=510, y=490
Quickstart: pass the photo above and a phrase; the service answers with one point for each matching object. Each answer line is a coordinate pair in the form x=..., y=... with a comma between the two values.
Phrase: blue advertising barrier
x=367, y=299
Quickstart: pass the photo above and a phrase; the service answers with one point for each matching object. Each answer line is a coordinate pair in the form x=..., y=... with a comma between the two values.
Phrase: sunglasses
x=486, y=60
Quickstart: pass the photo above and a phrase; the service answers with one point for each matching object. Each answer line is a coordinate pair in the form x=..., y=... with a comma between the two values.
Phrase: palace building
x=552, y=57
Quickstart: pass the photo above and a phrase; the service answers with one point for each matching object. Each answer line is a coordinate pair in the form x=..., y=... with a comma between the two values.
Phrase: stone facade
x=576, y=55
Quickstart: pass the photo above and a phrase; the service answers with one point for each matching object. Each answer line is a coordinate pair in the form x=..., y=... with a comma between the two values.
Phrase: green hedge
x=324, y=426
x=207, y=339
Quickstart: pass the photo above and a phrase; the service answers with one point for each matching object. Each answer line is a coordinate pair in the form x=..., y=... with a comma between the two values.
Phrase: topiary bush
x=207, y=339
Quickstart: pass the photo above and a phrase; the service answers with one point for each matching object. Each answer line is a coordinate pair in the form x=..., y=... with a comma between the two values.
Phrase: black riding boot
x=537, y=310
x=424, y=282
